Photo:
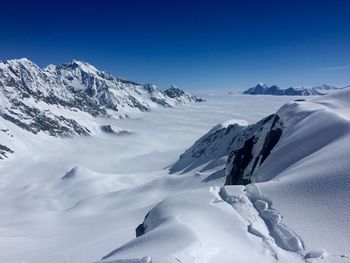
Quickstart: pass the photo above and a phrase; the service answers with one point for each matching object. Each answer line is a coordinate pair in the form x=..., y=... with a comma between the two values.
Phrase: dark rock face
x=180, y=95
x=110, y=130
x=141, y=229
x=258, y=142
x=271, y=140
x=263, y=89
x=161, y=102
x=52, y=125
x=174, y=92
x=4, y=150
x=241, y=158
x=107, y=129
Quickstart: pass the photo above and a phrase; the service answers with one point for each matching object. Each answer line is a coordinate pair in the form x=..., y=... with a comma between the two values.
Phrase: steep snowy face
x=181, y=96
x=263, y=89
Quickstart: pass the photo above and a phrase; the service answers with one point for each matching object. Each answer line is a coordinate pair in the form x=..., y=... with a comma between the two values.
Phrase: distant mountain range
x=263, y=89
x=56, y=99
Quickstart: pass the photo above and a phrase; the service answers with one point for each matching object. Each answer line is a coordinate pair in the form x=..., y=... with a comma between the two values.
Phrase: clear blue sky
x=194, y=44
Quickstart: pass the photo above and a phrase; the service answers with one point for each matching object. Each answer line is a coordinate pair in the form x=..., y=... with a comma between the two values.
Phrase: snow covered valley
x=129, y=198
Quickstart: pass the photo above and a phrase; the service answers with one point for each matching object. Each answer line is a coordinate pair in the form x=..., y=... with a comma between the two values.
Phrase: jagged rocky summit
x=180, y=95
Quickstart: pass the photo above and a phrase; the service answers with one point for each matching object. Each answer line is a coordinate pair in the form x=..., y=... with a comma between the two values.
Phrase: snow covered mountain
x=181, y=96
x=63, y=100
x=263, y=89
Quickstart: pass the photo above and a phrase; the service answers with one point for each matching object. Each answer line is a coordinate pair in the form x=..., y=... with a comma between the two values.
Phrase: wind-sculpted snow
x=212, y=232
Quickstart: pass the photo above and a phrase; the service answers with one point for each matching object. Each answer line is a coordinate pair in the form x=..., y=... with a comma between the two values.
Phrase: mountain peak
x=84, y=66
x=261, y=84
x=180, y=95
x=18, y=61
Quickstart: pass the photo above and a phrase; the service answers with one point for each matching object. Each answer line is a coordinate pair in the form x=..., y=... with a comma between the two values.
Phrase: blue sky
x=194, y=44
